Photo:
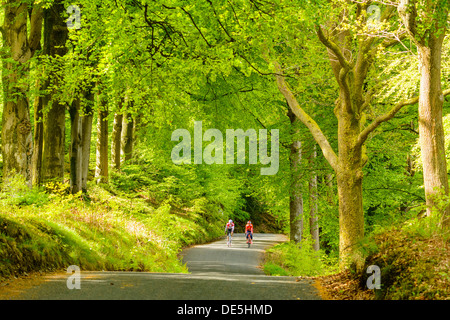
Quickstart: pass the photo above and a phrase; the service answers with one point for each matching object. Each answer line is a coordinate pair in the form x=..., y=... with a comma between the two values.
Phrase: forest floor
x=413, y=267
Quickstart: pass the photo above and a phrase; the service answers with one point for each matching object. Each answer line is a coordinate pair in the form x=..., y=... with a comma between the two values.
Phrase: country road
x=217, y=272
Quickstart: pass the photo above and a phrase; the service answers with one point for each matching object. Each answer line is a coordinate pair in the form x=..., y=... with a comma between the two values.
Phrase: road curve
x=217, y=272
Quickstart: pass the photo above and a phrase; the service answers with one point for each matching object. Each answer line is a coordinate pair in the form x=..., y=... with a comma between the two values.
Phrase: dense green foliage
x=167, y=64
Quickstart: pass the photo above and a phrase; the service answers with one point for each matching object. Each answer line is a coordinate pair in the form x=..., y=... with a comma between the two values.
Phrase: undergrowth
x=413, y=258
x=290, y=259
x=115, y=227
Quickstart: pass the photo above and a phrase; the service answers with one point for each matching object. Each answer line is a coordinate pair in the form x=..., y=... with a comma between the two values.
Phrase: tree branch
x=408, y=13
x=196, y=27
x=383, y=118
x=313, y=127
x=388, y=116
x=34, y=40
x=220, y=23
x=334, y=48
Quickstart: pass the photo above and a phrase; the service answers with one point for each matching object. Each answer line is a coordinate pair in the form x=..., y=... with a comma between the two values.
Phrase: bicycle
x=229, y=238
x=229, y=241
x=249, y=240
x=229, y=229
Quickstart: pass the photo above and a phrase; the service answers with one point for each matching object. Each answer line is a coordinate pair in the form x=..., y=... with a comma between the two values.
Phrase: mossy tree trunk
x=76, y=148
x=20, y=43
x=115, y=141
x=116, y=137
x=55, y=37
x=38, y=139
x=431, y=128
x=126, y=150
x=86, y=133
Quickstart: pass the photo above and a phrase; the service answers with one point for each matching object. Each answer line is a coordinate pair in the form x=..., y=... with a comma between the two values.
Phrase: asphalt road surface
x=217, y=272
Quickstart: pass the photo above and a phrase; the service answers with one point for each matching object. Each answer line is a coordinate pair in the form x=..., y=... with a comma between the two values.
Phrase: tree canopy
x=355, y=90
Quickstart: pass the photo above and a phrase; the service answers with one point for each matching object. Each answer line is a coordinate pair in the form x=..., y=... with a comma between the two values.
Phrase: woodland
x=352, y=92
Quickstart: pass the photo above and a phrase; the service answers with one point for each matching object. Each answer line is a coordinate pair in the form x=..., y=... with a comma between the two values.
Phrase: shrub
x=298, y=260
x=16, y=192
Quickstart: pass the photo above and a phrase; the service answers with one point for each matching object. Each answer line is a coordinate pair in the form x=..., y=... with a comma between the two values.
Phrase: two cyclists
x=229, y=229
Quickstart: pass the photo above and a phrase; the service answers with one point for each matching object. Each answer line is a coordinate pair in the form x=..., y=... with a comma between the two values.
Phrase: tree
x=86, y=132
x=115, y=141
x=76, y=149
x=426, y=24
x=314, y=203
x=55, y=37
x=296, y=197
x=21, y=43
x=101, y=168
x=351, y=54
x=126, y=146
x=81, y=116
x=38, y=138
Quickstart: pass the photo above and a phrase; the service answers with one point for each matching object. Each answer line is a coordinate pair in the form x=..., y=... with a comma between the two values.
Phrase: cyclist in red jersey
x=249, y=230
x=229, y=229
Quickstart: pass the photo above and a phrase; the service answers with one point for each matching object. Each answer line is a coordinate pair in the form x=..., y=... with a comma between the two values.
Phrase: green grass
x=105, y=232
x=290, y=259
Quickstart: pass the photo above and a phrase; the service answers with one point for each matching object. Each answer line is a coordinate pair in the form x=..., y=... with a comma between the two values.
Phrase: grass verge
x=107, y=232
x=290, y=259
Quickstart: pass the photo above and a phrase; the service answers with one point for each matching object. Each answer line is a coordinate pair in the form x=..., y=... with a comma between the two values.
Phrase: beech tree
x=426, y=24
x=54, y=120
x=116, y=141
x=353, y=40
x=351, y=52
x=101, y=168
x=21, y=39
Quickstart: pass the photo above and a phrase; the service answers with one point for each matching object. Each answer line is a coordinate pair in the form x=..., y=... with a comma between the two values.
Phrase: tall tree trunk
x=86, y=133
x=431, y=128
x=349, y=183
x=101, y=169
x=17, y=139
x=426, y=23
x=115, y=141
x=127, y=137
x=38, y=139
x=53, y=145
x=296, y=197
x=76, y=148
x=55, y=37
x=314, y=204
